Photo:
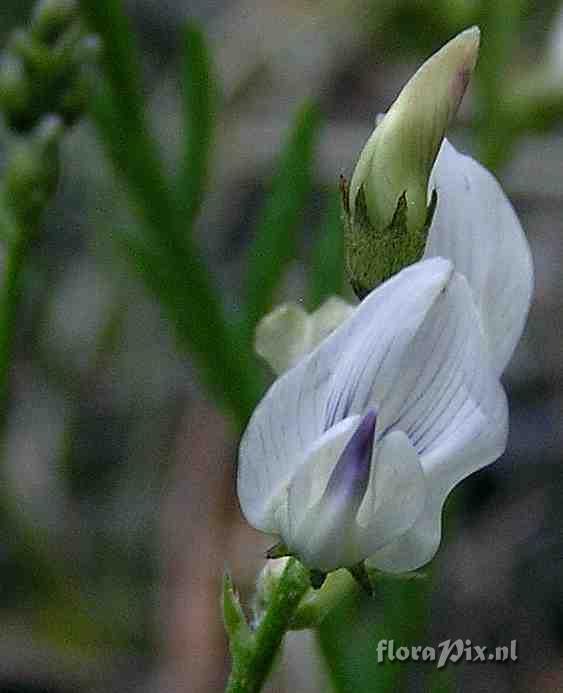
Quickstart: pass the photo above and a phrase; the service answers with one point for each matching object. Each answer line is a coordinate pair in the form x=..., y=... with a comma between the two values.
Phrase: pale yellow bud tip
x=461, y=52
x=399, y=155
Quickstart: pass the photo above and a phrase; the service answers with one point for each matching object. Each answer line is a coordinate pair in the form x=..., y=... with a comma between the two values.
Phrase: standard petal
x=477, y=441
x=367, y=371
x=355, y=365
x=445, y=380
x=476, y=227
x=448, y=400
x=475, y=437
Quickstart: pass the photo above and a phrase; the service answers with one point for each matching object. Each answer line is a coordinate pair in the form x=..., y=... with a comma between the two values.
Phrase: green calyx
x=374, y=254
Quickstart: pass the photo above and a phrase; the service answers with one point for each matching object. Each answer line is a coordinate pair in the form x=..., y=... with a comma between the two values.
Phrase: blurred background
x=124, y=466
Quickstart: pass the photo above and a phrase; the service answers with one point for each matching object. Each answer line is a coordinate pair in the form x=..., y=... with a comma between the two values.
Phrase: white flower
x=353, y=450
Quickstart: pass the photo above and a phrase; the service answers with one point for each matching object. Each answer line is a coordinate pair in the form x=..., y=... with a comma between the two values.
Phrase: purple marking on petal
x=350, y=476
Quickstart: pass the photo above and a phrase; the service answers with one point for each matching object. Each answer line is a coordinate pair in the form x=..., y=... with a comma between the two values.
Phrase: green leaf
x=119, y=110
x=165, y=253
x=442, y=680
x=349, y=635
x=8, y=225
x=241, y=639
x=120, y=54
x=502, y=28
x=134, y=155
x=327, y=271
x=199, y=94
x=275, y=241
x=187, y=301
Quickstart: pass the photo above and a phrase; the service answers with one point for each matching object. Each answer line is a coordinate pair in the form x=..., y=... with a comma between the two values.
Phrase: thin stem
x=253, y=662
x=198, y=89
x=28, y=540
x=17, y=248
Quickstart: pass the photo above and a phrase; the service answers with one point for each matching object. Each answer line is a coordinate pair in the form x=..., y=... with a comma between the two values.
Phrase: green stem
x=17, y=251
x=29, y=542
x=253, y=659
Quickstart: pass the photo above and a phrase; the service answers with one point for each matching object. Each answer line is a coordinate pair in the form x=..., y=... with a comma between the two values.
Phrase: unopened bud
x=31, y=175
x=51, y=18
x=266, y=584
x=44, y=70
x=386, y=205
x=15, y=90
x=74, y=102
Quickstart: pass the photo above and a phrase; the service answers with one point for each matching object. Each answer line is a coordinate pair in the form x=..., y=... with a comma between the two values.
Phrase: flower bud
x=386, y=211
x=31, y=174
x=44, y=69
x=51, y=18
x=74, y=102
x=15, y=89
x=266, y=584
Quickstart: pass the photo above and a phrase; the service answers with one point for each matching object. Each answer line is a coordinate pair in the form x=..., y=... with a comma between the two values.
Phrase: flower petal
x=415, y=547
x=384, y=326
x=330, y=315
x=320, y=516
x=352, y=367
x=396, y=495
x=309, y=482
x=288, y=333
x=476, y=227
x=329, y=524
x=446, y=378
x=454, y=411
x=474, y=440
x=282, y=336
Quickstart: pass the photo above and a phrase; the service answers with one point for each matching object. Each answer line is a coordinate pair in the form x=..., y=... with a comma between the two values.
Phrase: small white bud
x=386, y=209
x=401, y=151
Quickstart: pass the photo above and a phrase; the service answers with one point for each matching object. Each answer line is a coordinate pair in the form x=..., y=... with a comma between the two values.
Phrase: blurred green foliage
x=163, y=251
x=274, y=245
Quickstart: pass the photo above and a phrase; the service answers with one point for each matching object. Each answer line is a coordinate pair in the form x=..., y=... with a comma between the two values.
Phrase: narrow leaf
x=349, y=635
x=275, y=240
x=327, y=270
x=199, y=94
x=166, y=255
x=236, y=625
x=120, y=54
